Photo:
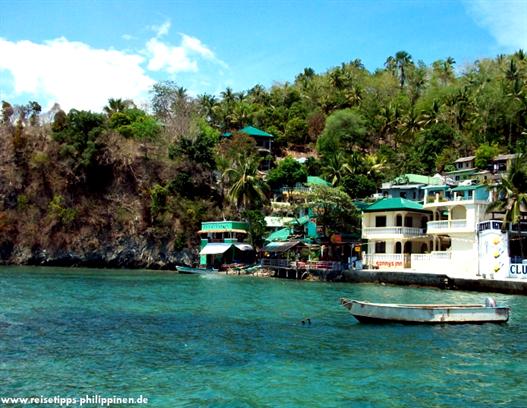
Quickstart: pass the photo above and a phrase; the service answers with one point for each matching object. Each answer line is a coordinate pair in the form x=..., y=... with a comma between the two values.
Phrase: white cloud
x=76, y=75
x=178, y=58
x=506, y=20
x=163, y=29
x=164, y=57
x=72, y=73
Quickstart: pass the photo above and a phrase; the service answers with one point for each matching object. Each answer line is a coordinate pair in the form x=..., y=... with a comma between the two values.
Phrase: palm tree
x=247, y=186
x=228, y=95
x=402, y=61
x=117, y=105
x=511, y=195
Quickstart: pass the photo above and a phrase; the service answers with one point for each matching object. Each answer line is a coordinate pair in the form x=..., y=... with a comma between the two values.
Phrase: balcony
x=391, y=232
x=448, y=226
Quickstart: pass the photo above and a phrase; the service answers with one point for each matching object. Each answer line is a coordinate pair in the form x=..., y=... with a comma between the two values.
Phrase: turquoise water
x=239, y=342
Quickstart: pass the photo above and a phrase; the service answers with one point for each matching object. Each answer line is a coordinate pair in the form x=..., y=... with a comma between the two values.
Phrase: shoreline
x=440, y=281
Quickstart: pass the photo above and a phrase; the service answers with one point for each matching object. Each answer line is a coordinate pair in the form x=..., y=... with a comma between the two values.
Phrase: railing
x=435, y=262
x=446, y=225
x=521, y=227
x=294, y=190
x=307, y=265
x=411, y=231
x=431, y=257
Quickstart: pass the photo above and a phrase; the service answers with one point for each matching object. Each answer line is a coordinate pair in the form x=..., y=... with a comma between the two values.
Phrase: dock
x=441, y=281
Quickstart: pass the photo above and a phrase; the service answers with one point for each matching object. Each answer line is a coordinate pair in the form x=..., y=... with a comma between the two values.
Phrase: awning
x=280, y=246
x=243, y=247
x=215, y=248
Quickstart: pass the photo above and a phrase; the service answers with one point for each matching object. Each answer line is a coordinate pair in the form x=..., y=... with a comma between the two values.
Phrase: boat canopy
x=215, y=248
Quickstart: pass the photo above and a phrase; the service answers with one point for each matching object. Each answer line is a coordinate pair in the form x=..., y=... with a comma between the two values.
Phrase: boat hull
x=195, y=271
x=366, y=312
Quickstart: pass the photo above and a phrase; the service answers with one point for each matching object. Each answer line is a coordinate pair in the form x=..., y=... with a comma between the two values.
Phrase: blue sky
x=80, y=53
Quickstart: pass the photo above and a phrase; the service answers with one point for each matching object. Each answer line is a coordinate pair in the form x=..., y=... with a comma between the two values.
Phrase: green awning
x=280, y=235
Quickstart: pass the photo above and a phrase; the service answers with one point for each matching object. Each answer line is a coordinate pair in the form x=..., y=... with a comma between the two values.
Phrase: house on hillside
x=263, y=141
x=466, y=169
x=409, y=186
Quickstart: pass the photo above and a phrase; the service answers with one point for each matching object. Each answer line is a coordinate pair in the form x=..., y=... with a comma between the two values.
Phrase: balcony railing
x=443, y=226
x=432, y=257
x=386, y=231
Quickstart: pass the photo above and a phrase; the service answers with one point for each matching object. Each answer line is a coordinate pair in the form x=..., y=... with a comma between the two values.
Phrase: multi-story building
x=450, y=233
x=222, y=242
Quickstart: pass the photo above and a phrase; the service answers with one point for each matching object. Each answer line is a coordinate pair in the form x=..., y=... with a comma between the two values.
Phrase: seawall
x=436, y=280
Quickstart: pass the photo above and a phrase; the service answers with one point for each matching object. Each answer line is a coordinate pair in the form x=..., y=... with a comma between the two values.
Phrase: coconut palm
x=247, y=186
x=511, y=195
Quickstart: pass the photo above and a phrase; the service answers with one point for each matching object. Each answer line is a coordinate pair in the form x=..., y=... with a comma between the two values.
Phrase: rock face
x=126, y=252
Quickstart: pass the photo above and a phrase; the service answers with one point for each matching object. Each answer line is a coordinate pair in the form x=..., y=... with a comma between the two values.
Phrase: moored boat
x=366, y=312
x=197, y=271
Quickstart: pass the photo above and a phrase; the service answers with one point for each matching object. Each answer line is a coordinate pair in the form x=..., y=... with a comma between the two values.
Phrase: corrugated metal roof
x=410, y=178
x=280, y=246
x=465, y=159
x=215, y=248
x=280, y=235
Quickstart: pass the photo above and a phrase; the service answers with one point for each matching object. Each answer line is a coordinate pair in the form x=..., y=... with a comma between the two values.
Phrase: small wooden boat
x=366, y=312
x=196, y=271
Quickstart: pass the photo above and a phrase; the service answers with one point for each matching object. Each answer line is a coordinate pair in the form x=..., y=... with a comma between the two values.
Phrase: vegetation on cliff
x=84, y=181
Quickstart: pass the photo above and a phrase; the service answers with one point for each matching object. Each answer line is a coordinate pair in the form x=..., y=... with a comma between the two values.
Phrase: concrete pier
x=442, y=281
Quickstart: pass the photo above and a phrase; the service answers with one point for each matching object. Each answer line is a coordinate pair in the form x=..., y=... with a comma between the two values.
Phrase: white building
x=450, y=233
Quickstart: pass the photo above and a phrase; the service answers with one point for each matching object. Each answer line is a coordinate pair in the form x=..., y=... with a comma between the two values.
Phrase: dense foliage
x=83, y=178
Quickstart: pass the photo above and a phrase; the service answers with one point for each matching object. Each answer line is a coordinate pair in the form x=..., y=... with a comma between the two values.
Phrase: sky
x=81, y=53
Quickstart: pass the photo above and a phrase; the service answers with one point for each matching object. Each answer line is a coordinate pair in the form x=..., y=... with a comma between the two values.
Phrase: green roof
x=301, y=221
x=251, y=131
x=361, y=205
x=416, y=179
x=393, y=204
x=317, y=181
x=280, y=235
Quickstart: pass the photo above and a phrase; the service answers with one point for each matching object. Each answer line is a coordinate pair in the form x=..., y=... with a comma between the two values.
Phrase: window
x=380, y=247
x=403, y=194
x=380, y=221
x=408, y=221
x=398, y=248
x=399, y=220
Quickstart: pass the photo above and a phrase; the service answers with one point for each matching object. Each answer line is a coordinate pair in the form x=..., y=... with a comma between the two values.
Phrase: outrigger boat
x=366, y=312
x=196, y=271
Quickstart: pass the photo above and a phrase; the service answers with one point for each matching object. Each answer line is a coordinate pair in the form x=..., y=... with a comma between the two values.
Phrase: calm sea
x=239, y=342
